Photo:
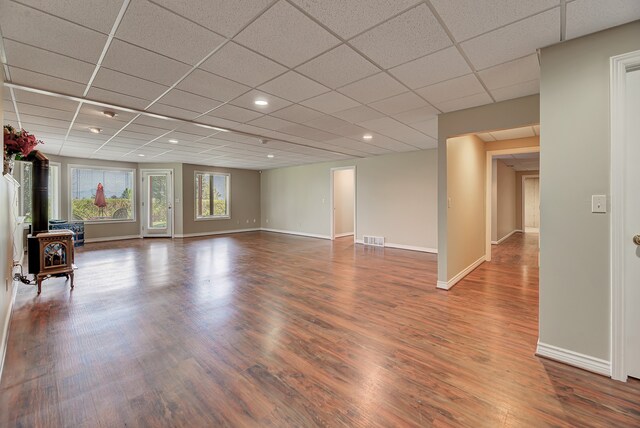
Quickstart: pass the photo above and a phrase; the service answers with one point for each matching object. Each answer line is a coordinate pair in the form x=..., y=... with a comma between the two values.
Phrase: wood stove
x=50, y=253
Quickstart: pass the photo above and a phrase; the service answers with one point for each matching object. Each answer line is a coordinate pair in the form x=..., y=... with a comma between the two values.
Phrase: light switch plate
x=598, y=203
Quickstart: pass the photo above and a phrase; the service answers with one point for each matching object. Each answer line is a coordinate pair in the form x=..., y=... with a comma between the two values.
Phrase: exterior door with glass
x=157, y=198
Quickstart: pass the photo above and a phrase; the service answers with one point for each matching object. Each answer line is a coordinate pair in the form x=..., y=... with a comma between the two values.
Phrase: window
x=23, y=175
x=212, y=195
x=102, y=194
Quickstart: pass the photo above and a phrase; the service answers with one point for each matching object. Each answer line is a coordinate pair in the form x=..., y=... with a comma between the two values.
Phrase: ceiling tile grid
x=331, y=71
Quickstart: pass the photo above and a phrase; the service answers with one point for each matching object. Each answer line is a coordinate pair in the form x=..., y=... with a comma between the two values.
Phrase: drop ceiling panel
x=111, y=80
x=171, y=111
x=443, y=65
x=428, y=127
x=43, y=121
x=516, y=91
x=155, y=28
x=327, y=123
x=209, y=85
x=400, y=103
x=458, y=87
x=116, y=98
x=510, y=73
x=390, y=144
x=465, y=102
x=348, y=18
x=224, y=17
x=45, y=101
x=43, y=112
x=294, y=87
x=142, y=63
x=97, y=14
x=515, y=40
x=237, y=114
x=238, y=63
x=247, y=101
x=148, y=124
x=358, y=145
x=189, y=101
x=50, y=33
x=413, y=116
x=469, y=18
x=269, y=122
x=406, y=37
x=297, y=113
x=34, y=59
x=44, y=81
x=338, y=67
x=372, y=88
x=358, y=114
x=286, y=35
x=589, y=16
x=330, y=102
x=308, y=132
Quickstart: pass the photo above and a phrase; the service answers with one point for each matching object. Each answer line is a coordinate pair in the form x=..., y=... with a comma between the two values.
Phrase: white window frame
x=227, y=216
x=134, y=202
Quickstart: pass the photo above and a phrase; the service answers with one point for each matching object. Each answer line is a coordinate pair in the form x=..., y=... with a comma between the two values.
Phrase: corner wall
x=575, y=286
x=506, y=200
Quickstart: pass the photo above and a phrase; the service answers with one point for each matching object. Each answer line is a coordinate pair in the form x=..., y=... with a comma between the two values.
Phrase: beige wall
x=575, y=154
x=466, y=199
x=343, y=201
x=506, y=200
x=245, y=201
x=502, y=115
x=519, y=213
x=395, y=198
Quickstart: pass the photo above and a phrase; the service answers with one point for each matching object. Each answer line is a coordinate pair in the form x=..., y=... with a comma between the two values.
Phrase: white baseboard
x=111, y=238
x=575, y=359
x=446, y=285
x=342, y=235
x=291, y=232
x=405, y=247
x=217, y=232
x=5, y=327
x=499, y=241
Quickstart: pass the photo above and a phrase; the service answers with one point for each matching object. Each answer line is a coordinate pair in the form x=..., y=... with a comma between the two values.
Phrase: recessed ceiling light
x=270, y=156
x=141, y=155
x=95, y=130
x=109, y=113
x=367, y=137
x=173, y=141
x=261, y=103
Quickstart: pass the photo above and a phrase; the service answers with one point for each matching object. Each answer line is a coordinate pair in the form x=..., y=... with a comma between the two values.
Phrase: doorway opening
x=157, y=206
x=513, y=195
x=343, y=202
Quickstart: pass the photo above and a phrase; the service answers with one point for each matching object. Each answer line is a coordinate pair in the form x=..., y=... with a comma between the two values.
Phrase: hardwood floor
x=263, y=329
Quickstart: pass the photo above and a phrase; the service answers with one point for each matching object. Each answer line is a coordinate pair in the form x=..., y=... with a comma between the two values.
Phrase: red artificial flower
x=19, y=142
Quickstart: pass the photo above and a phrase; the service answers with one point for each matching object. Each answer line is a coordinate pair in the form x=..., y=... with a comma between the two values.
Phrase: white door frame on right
x=620, y=66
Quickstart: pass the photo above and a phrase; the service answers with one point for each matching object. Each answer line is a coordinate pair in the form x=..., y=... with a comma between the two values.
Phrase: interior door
x=157, y=201
x=632, y=227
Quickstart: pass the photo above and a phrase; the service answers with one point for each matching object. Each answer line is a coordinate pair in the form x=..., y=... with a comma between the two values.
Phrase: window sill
x=105, y=221
x=227, y=217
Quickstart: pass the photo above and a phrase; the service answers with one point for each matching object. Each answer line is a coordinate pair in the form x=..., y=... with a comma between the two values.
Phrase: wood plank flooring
x=264, y=329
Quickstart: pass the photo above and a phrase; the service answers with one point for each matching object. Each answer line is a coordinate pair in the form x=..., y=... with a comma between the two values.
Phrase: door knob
x=636, y=240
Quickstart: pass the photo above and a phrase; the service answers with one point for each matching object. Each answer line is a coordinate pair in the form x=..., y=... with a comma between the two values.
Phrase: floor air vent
x=377, y=241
